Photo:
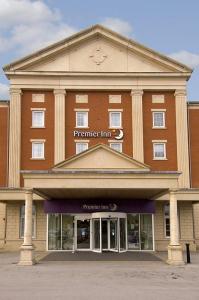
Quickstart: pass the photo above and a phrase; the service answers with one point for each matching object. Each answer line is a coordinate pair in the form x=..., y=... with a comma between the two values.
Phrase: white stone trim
x=158, y=109
x=81, y=109
x=81, y=141
x=158, y=98
x=81, y=99
x=38, y=108
x=115, y=98
x=115, y=109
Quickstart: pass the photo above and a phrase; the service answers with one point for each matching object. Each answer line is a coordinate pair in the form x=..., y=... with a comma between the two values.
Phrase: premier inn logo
x=100, y=207
x=117, y=134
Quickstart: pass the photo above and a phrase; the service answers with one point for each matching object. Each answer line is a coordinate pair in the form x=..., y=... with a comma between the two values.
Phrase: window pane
x=159, y=150
x=146, y=233
x=37, y=150
x=54, y=232
x=80, y=147
x=37, y=118
x=67, y=232
x=115, y=119
x=133, y=231
x=82, y=119
x=158, y=119
x=116, y=146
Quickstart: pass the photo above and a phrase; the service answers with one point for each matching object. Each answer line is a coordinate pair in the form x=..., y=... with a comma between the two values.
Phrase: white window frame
x=22, y=221
x=163, y=118
x=78, y=143
x=118, y=143
x=157, y=157
x=110, y=119
x=42, y=142
x=82, y=112
x=43, y=121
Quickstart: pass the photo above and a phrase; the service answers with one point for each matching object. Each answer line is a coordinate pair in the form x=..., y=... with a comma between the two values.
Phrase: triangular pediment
x=97, y=49
x=102, y=157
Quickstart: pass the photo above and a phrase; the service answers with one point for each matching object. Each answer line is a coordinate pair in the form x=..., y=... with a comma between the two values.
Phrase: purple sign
x=97, y=205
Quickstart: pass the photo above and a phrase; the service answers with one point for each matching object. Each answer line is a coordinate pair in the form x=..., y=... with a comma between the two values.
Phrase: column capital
x=59, y=91
x=181, y=92
x=28, y=191
x=15, y=91
x=137, y=92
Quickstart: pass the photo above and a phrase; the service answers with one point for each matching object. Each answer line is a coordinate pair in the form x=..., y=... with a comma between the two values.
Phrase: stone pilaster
x=137, y=125
x=27, y=255
x=182, y=138
x=175, y=255
x=15, y=138
x=59, y=125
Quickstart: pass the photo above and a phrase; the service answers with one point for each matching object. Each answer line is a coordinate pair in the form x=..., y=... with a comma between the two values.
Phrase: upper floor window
x=81, y=119
x=115, y=119
x=81, y=146
x=159, y=150
x=116, y=146
x=38, y=149
x=158, y=119
x=22, y=221
x=38, y=118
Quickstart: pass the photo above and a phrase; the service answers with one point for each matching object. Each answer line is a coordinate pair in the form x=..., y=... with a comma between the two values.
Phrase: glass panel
x=158, y=119
x=146, y=232
x=83, y=234
x=122, y=234
x=113, y=234
x=54, y=232
x=115, y=119
x=116, y=146
x=67, y=232
x=96, y=234
x=104, y=234
x=133, y=231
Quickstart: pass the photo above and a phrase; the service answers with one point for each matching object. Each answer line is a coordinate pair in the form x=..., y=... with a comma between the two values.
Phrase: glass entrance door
x=109, y=232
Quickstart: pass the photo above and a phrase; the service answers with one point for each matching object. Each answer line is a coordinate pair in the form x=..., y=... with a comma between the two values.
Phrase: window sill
x=35, y=127
x=115, y=128
x=160, y=158
x=35, y=158
x=159, y=127
x=81, y=127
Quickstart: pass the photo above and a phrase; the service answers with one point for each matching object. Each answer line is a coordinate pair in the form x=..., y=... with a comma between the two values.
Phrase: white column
x=137, y=125
x=26, y=255
x=59, y=125
x=15, y=138
x=182, y=138
x=175, y=254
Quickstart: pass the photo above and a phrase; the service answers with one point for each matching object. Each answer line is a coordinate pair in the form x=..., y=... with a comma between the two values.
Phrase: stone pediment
x=102, y=157
x=96, y=49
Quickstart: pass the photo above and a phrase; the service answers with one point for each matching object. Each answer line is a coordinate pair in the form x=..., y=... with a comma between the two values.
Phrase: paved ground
x=97, y=280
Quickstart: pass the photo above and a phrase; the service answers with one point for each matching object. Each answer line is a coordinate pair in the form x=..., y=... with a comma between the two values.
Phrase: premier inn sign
x=115, y=133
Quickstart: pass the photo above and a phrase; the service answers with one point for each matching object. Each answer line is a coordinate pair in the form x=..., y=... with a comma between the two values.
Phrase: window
x=116, y=146
x=81, y=146
x=38, y=150
x=158, y=119
x=82, y=119
x=166, y=220
x=22, y=221
x=159, y=151
x=38, y=118
x=115, y=119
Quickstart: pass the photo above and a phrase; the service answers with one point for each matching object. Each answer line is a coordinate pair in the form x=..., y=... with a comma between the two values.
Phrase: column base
x=27, y=256
x=175, y=255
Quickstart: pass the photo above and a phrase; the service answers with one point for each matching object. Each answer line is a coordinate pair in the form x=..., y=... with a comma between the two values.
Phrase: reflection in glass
x=113, y=234
x=67, y=232
x=96, y=233
x=133, y=231
x=104, y=234
x=83, y=234
x=54, y=232
x=146, y=233
x=122, y=234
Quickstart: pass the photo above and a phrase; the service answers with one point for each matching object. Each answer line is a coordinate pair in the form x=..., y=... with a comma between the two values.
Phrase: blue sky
x=170, y=27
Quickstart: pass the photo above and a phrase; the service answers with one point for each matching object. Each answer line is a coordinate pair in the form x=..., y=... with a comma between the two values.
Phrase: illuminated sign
x=115, y=133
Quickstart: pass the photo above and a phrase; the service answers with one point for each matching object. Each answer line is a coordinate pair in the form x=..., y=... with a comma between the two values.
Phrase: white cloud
x=186, y=58
x=26, y=26
x=4, y=92
x=118, y=25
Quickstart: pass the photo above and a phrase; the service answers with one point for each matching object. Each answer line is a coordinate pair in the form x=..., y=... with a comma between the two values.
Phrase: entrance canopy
x=100, y=172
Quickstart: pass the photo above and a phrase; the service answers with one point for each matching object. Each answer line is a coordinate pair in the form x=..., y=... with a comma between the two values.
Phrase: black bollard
x=188, y=254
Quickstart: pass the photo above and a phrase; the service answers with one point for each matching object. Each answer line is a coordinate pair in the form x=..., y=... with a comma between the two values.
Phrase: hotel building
x=99, y=150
